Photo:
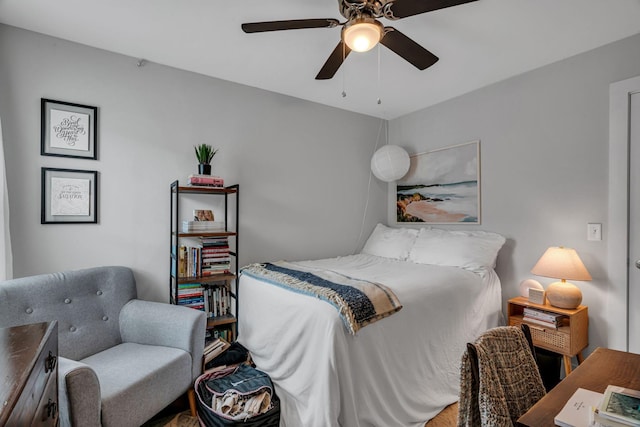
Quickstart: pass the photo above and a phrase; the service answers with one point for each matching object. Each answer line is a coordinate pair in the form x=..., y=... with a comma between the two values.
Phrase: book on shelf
x=213, y=273
x=202, y=226
x=190, y=301
x=214, y=259
x=218, y=301
x=578, y=410
x=215, y=242
x=546, y=316
x=215, y=348
x=620, y=405
x=205, y=181
x=191, y=295
x=538, y=322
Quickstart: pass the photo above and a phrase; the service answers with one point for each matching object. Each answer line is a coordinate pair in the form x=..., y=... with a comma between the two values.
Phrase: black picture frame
x=68, y=129
x=69, y=196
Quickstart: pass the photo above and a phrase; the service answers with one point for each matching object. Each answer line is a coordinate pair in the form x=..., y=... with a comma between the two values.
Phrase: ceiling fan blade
x=408, y=49
x=334, y=62
x=294, y=24
x=402, y=8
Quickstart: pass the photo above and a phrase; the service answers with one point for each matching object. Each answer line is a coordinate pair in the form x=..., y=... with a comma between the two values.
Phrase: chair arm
x=78, y=394
x=153, y=323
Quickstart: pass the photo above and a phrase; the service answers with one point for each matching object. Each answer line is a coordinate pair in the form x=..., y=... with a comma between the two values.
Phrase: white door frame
x=618, y=241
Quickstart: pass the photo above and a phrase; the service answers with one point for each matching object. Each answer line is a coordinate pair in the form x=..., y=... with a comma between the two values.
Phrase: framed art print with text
x=68, y=130
x=69, y=196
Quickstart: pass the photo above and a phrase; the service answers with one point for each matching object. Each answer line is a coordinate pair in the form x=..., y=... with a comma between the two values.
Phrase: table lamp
x=564, y=264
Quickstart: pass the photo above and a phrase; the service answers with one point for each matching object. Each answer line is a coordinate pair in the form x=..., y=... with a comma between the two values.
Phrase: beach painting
x=441, y=187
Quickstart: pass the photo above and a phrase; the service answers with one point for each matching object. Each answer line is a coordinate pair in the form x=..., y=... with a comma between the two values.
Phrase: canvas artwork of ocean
x=441, y=187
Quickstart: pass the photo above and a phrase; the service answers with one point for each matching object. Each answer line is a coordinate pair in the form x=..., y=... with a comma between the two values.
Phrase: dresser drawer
x=47, y=412
x=41, y=383
x=558, y=341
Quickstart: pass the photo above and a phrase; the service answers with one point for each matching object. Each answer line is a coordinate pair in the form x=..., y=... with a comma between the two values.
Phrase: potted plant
x=204, y=154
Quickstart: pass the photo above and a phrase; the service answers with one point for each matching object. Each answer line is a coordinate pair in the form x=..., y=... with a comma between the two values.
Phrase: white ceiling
x=478, y=43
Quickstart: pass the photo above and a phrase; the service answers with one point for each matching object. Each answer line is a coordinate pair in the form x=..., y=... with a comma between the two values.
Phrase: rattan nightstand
x=569, y=339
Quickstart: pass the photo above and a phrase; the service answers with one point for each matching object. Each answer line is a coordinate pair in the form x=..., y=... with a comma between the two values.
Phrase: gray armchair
x=121, y=360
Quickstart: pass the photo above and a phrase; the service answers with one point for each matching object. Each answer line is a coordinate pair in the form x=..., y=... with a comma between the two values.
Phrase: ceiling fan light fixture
x=362, y=34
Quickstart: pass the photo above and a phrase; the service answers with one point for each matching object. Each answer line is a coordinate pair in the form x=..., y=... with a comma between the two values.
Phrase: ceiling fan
x=362, y=30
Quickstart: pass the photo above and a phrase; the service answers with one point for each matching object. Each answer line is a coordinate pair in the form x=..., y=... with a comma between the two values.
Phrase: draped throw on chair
x=499, y=379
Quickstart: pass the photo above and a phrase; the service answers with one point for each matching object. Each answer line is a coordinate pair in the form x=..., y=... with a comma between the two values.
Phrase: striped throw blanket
x=359, y=302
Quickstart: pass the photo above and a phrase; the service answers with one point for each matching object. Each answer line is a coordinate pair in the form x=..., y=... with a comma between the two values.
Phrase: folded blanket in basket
x=358, y=301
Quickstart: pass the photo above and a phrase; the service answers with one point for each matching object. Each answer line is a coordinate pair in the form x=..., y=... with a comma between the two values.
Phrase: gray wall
x=544, y=162
x=303, y=168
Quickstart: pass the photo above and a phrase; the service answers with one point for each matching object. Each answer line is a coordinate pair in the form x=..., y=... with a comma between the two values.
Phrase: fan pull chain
x=379, y=100
x=344, y=92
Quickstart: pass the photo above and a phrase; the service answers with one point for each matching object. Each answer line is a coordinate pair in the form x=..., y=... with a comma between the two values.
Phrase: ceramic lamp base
x=564, y=295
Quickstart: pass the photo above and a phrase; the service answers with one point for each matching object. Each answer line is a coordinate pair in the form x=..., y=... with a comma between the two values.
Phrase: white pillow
x=390, y=242
x=466, y=249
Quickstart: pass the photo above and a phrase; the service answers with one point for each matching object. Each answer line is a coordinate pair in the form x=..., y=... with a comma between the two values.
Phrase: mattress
x=399, y=371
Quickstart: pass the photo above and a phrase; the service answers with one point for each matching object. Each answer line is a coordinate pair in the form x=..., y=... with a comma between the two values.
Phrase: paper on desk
x=577, y=411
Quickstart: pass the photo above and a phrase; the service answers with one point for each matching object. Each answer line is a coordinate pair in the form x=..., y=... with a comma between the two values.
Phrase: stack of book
x=214, y=348
x=205, y=181
x=202, y=226
x=191, y=295
x=208, y=258
x=617, y=407
x=215, y=256
x=620, y=407
x=543, y=318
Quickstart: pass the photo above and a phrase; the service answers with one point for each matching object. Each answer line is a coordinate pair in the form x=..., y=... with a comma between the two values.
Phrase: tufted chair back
x=86, y=303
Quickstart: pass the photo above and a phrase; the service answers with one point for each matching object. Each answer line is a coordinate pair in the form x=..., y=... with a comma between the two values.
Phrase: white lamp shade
x=561, y=263
x=390, y=163
x=362, y=35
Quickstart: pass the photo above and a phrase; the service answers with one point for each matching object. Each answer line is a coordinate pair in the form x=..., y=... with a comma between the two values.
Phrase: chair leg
x=191, y=394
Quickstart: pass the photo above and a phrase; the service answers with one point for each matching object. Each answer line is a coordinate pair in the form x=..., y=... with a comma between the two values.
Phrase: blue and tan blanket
x=358, y=301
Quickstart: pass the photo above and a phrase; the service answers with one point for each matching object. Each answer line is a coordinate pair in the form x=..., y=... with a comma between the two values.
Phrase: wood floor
x=447, y=418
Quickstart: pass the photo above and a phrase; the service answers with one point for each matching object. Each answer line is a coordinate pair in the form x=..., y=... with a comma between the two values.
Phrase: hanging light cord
x=366, y=205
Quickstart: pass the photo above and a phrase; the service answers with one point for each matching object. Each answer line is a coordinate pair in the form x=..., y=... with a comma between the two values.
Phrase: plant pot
x=204, y=169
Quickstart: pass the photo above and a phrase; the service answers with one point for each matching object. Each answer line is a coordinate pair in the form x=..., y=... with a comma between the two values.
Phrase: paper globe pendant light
x=390, y=163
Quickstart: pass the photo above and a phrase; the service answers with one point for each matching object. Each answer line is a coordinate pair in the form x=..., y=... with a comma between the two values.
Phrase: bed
x=401, y=370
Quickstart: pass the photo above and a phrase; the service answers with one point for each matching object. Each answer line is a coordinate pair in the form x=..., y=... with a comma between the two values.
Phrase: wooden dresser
x=29, y=374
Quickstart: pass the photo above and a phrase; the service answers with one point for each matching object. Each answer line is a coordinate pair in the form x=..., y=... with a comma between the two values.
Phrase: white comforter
x=399, y=371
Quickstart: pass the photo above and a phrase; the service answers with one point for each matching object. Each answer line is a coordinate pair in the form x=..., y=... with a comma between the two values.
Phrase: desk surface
x=602, y=368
